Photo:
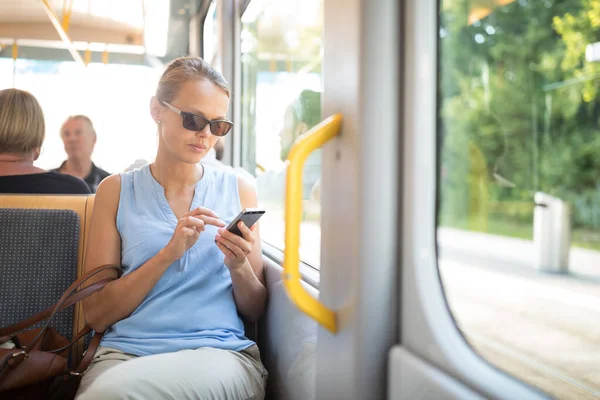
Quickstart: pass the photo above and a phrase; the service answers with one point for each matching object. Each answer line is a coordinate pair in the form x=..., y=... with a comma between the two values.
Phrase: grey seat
x=38, y=262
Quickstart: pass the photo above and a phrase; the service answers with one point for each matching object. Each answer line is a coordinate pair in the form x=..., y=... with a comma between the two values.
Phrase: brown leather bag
x=38, y=366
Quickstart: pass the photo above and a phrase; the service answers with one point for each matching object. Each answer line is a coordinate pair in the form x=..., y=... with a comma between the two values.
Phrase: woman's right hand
x=188, y=231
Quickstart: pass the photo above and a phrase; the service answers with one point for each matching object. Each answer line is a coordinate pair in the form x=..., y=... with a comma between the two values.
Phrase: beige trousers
x=205, y=373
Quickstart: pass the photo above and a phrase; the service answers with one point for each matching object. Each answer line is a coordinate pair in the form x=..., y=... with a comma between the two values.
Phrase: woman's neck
x=174, y=174
x=18, y=164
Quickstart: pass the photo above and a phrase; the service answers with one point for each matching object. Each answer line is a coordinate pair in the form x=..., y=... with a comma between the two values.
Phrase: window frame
x=309, y=274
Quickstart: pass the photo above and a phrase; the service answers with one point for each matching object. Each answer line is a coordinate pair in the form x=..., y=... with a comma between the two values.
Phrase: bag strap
x=70, y=291
x=89, y=353
x=71, y=294
x=9, y=331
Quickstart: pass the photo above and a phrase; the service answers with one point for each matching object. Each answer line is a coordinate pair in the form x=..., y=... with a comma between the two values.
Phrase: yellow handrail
x=306, y=144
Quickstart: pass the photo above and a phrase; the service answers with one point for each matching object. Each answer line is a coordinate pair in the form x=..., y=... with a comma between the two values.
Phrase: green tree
x=515, y=85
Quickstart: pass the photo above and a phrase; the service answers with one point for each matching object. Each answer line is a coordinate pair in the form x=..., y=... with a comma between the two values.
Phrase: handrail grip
x=306, y=144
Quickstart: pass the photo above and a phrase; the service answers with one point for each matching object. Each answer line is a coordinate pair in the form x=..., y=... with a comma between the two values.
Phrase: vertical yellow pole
x=66, y=18
x=87, y=57
x=15, y=54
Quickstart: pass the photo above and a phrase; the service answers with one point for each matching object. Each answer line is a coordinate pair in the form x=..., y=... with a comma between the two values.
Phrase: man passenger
x=79, y=138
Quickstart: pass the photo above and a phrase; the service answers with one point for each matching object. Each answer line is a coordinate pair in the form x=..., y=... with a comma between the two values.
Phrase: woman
x=22, y=131
x=171, y=322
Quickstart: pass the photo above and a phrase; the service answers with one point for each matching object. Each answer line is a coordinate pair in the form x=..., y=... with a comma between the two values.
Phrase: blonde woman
x=22, y=131
x=172, y=322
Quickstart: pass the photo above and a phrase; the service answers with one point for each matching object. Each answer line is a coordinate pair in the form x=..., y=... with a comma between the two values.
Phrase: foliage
x=516, y=86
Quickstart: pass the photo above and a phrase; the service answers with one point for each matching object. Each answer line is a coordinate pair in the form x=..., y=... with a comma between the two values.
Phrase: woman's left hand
x=235, y=248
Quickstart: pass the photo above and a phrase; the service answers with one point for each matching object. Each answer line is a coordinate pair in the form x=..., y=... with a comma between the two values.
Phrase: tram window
x=211, y=37
x=6, y=72
x=282, y=50
x=115, y=97
x=519, y=116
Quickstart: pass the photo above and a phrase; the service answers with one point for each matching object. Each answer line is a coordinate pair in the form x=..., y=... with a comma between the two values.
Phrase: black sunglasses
x=195, y=122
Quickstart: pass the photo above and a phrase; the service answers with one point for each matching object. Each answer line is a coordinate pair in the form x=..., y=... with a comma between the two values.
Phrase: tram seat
x=42, y=239
x=53, y=227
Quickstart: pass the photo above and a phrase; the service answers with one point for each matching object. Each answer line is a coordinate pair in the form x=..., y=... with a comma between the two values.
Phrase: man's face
x=78, y=138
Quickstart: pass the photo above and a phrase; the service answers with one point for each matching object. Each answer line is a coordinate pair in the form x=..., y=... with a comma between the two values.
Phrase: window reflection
x=281, y=45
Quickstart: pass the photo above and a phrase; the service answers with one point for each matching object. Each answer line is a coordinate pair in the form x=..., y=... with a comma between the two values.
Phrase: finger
x=239, y=241
x=212, y=221
x=228, y=253
x=246, y=232
x=188, y=231
x=237, y=250
x=192, y=222
x=203, y=211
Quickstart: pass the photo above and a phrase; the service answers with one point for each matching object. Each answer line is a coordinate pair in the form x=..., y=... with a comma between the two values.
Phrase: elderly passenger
x=79, y=137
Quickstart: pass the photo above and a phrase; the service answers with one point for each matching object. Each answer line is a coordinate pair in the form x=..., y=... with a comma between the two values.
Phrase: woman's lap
x=205, y=373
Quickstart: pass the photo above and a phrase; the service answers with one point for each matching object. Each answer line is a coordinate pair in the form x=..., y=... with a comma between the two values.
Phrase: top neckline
x=159, y=192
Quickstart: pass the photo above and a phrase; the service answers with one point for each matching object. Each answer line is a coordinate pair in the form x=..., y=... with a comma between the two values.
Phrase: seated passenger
x=172, y=322
x=22, y=131
x=79, y=137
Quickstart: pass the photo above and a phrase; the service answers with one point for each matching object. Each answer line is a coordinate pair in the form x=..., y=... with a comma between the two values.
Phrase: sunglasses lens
x=220, y=128
x=194, y=122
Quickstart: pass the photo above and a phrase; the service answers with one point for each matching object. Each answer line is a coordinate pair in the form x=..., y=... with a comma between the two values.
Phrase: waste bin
x=551, y=233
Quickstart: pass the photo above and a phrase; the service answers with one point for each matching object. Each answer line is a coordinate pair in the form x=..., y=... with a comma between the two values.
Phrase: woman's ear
x=36, y=153
x=155, y=109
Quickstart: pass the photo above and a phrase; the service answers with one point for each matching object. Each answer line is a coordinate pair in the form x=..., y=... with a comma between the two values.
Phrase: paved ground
x=545, y=329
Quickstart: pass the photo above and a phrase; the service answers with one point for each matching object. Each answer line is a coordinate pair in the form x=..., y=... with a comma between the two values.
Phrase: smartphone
x=249, y=216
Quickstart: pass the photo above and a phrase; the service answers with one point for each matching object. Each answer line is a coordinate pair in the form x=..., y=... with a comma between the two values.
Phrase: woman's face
x=201, y=97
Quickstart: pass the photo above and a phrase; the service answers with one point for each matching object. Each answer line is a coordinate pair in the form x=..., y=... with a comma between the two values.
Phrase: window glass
x=282, y=50
x=115, y=97
x=519, y=176
x=211, y=37
x=7, y=66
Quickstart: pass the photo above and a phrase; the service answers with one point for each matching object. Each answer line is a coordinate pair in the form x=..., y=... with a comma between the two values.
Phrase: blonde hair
x=22, y=127
x=79, y=117
x=184, y=69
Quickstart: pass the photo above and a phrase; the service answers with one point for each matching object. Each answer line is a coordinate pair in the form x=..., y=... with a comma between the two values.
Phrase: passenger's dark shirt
x=96, y=176
x=44, y=183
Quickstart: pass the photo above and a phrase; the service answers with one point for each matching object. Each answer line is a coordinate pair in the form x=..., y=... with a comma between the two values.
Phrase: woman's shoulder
x=108, y=194
x=110, y=185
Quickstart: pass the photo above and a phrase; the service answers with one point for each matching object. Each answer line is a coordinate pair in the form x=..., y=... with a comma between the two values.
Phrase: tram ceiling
x=124, y=31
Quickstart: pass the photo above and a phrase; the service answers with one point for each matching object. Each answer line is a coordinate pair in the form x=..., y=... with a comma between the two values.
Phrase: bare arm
x=120, y=298
x=243, y=257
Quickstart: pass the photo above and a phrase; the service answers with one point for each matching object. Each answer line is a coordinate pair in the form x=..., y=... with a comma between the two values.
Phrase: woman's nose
x=205, y=132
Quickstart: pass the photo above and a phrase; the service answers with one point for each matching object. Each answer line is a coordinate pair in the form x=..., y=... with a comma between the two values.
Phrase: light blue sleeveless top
x=192, y=305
